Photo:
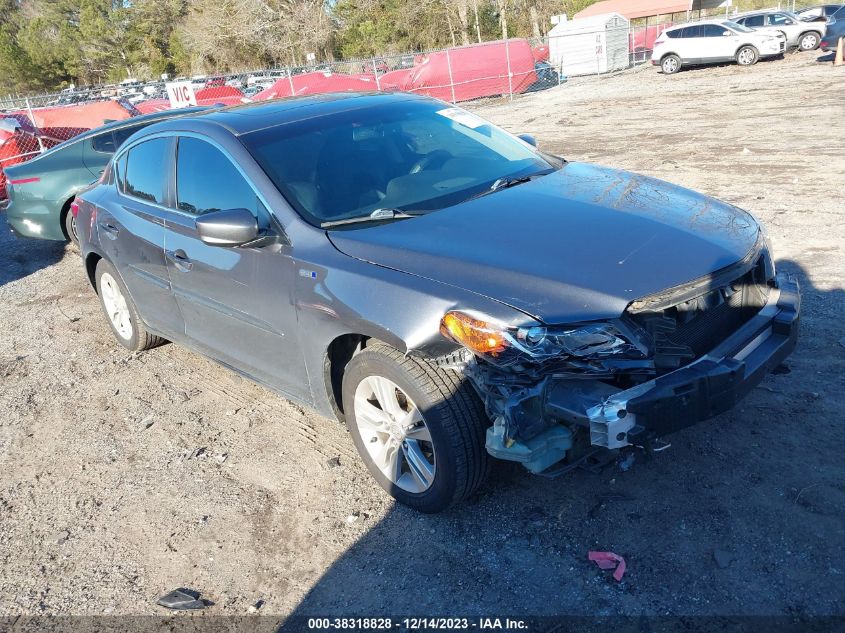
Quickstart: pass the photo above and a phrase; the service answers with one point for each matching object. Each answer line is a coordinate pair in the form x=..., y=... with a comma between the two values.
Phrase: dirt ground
x=123, y=476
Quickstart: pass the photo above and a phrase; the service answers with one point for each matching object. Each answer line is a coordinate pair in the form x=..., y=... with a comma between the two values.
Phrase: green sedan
x=40, y=191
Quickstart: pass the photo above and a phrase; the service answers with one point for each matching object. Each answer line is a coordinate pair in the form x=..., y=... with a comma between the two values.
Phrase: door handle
x=109, y=229
x=179, y=259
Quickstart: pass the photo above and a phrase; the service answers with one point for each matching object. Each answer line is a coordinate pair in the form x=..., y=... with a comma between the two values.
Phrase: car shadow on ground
x=20, y=258
x=731, y=519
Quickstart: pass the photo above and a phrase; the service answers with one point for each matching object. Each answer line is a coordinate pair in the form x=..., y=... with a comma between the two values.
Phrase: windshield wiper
x=505, y=183
x=378, y=215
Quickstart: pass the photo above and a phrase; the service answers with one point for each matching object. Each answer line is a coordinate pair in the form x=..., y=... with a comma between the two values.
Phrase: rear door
x=130, y=227
x=719, y=45
x=237, y=302
x=695, y=44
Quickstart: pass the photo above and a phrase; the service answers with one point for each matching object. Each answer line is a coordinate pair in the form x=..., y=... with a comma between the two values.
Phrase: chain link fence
x=503, y=68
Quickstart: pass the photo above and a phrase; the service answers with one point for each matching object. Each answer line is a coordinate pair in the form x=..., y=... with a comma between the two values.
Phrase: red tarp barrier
x=479, y=70
x=227, y=95
x=317, y=83
x=83, y=115
x=152, y=105
x=541, y=53
x=643, y=39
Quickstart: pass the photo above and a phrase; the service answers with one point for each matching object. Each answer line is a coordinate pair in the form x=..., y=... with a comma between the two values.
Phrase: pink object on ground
x=609, y=560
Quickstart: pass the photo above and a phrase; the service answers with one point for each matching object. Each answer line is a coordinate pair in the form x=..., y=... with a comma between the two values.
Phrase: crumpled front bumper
x=707, y=387
x=710, y=385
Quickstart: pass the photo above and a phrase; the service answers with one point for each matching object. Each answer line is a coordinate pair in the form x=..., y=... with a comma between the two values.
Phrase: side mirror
x=529, y=139
x=231, y=227
x=727, y=33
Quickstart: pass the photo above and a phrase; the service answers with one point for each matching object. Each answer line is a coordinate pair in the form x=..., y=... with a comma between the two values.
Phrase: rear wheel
x=420, y=429
x=670, y=64
x=809, y=41
x=747, y=56
x=120, y=310
x=70, y=228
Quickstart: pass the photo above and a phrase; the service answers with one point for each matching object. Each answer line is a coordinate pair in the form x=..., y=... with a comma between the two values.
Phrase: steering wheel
x=433, y=159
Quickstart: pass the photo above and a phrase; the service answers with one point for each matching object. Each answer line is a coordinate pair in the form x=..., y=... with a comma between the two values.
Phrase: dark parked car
x=41, y=190
x=446, y=288
x=835, y=32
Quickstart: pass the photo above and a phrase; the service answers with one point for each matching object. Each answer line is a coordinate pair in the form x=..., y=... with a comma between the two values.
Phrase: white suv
x=712, y=42
x=804, y=35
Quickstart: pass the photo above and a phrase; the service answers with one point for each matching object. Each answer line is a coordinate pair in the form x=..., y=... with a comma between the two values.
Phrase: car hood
x=575, y=245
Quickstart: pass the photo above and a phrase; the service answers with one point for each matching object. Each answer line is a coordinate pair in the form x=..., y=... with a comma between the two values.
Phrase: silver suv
x=803, y=35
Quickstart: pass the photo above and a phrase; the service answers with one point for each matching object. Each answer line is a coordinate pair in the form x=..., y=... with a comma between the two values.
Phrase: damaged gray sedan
x=449, y=290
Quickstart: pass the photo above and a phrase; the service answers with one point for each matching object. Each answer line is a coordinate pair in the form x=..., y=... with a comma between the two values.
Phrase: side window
x=673, y=34
x=755, y=20
x=694, y=31
x=122, y=134
x=103, y=143
x=206, y=180
x=713, y=30
x=145, y=175
x=776, y=19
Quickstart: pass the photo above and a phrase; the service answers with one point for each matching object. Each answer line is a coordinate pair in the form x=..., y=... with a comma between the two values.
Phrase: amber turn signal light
x=478, y=336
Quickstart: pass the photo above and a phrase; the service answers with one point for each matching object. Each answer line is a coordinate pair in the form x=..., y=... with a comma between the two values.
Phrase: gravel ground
x=127, y=475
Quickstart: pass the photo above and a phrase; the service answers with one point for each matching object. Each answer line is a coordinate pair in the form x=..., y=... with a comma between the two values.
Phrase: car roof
x=246, y=118
x=717, y=21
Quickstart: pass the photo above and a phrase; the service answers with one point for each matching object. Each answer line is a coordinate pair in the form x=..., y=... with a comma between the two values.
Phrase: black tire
x=452, y=411
x=139, y=338
x=670, y=64
x=70, y=229
x=809, y=41
x=747, y=56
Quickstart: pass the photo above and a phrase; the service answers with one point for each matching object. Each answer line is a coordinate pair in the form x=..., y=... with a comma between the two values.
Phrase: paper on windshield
x=463, y=117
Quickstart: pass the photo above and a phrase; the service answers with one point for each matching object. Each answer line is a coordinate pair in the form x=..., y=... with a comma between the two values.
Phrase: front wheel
x=809, y=41
x=747, y=56
x=670, y=64
x=420, y=429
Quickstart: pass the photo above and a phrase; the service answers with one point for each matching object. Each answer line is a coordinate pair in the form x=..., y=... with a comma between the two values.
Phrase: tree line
x=50, y=44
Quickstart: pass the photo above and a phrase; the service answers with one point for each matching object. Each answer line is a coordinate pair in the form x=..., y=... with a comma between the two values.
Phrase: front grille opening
x=688, y=330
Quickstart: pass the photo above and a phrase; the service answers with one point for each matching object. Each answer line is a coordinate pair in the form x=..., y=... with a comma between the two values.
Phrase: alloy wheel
x=115, y=305
x=746, y=57
x=670, y=65
x=808, y=42
x=395, y=434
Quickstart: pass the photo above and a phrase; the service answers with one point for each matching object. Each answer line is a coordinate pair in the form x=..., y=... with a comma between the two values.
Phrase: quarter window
x=146, y=171
x=206, y=180
x=103, y=143
x=124, y=133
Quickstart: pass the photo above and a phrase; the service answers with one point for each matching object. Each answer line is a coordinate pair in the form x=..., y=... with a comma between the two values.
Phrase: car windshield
x=410, y=156
x=738, y=27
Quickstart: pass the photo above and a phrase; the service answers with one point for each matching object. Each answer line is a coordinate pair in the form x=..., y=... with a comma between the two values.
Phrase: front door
x=237, y=302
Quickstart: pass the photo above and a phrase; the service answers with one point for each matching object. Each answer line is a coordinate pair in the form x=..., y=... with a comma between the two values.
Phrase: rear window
x=754, y=21
x=145, y=176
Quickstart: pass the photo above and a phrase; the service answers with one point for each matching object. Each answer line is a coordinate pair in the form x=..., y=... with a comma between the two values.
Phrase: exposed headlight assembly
x=506, y=345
